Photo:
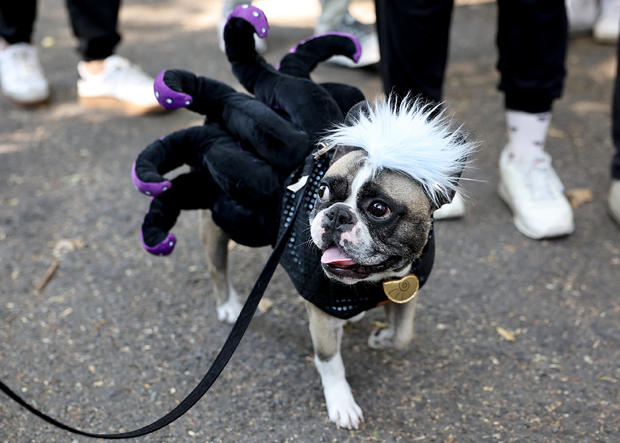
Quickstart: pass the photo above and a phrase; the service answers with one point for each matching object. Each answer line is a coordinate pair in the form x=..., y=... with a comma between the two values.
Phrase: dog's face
x=370, y=227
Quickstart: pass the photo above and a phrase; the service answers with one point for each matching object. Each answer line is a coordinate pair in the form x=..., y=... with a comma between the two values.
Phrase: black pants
x=531, y=41
x=615, y=125
x=94, y=23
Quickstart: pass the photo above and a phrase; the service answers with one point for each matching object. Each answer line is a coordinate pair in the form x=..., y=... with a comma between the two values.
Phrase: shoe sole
x=30, y=103
x=341, y=60
x=604, y=38
x=120, y=105
x=522, y=227
x=608, y=41
x=454, y=214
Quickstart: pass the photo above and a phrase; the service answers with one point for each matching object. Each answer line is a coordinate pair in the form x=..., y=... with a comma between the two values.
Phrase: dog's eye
x=379, y=209
x=323, y=192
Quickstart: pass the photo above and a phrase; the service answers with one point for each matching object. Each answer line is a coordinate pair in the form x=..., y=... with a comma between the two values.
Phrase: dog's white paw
x=381, y=338
x=229, y=311
x=342, y=408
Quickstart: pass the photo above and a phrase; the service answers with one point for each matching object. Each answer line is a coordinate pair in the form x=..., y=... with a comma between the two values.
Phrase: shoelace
x=124, y=72
x=354, y=27
x=542, y=181
x=24, y=61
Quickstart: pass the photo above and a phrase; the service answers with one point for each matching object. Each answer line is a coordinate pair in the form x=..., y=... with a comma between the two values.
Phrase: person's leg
x=94, y=23
x=106, y=79
x=614, y=190
x=21, y=76
x=532, y=41
x=17, y=21
x=413, y=38
x=532, y=67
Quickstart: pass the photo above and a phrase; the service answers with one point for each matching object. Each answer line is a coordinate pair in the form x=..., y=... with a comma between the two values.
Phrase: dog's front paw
x=229, y=311
x=381, y=338
x=342, y=408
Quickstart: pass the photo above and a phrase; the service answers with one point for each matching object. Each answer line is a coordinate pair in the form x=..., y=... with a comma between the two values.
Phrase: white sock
x=527, y=134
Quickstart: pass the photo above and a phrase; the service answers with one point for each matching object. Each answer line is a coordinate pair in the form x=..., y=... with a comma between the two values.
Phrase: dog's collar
x=402, y=290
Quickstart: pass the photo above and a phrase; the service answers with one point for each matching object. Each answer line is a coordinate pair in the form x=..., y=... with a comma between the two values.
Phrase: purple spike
x=358, y=47
x=164, y=248
x=253, y=16
x=149, y=188
x=169, y=98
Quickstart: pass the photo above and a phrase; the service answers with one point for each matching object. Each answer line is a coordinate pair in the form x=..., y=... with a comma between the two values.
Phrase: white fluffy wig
x=411, y=138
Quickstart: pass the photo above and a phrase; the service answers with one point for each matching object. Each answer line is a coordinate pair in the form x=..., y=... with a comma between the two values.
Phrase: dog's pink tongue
x=333, y=256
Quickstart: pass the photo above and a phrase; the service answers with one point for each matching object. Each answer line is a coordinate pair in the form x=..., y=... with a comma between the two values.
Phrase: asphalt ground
x=516, y=340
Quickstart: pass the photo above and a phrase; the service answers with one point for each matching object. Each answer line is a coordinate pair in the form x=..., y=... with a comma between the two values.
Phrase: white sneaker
x=21, y=75
x=581, y=15
x=607, y=25
x=121, y=85
x=535, y=194
x=259, y=44
x=367, y=37
x=454, y=209
x=614, y=200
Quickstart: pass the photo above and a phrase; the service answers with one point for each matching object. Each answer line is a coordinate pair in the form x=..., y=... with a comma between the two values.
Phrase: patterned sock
x=526, y=134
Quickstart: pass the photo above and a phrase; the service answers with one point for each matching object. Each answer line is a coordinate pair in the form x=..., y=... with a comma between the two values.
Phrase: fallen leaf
x=66, y=312
x=579, y=196
x=506, y=334
x=48, y=41
x=265, y=305
x=65, y=245
x=554, y=406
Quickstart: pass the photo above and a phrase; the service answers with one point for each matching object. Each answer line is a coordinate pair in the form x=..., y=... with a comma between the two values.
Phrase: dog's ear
x=340, y=151
x=360, y=108
x=444, y=199
x=447, y=198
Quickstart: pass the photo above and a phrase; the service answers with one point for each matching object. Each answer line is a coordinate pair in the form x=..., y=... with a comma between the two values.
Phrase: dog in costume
x=370, y=175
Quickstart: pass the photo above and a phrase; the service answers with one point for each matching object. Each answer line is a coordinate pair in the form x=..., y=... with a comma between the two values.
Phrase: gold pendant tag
x=402, y=290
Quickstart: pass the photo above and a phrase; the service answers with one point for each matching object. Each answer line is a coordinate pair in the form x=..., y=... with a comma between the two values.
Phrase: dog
x=371, y=227
x=362, y=234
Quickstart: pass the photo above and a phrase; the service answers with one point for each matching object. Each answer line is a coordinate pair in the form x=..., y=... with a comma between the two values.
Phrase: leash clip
x=323, y=149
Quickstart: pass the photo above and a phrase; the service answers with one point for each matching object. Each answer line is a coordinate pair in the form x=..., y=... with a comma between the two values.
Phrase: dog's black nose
x=340, y=216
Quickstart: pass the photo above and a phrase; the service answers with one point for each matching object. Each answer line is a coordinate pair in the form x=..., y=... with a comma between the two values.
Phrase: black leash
x=229, y=347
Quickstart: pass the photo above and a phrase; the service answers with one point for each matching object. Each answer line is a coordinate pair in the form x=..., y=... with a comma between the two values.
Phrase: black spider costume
x=249, y=149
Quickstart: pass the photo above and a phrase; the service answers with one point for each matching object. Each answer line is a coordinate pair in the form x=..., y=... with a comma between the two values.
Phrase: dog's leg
x=399, y=331
x=216, y=248
x=326, y=332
